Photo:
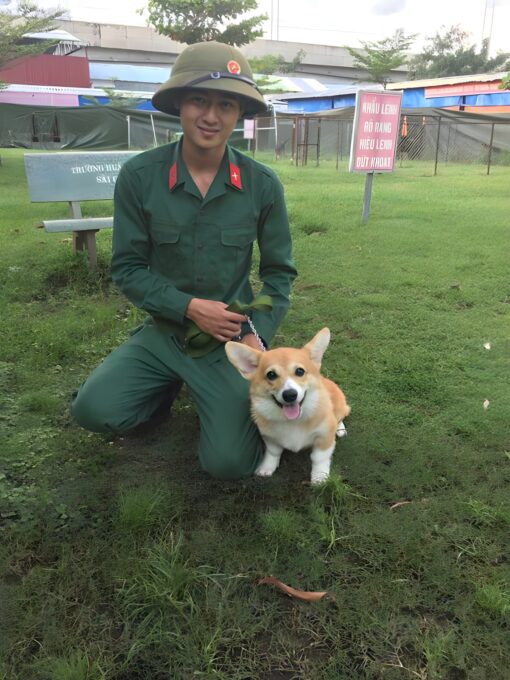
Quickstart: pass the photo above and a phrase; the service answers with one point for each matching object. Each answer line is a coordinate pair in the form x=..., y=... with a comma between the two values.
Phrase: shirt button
x=200, y=246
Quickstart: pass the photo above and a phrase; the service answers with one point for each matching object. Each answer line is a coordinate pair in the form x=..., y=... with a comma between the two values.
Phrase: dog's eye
x=299, y=371
x=271, y=375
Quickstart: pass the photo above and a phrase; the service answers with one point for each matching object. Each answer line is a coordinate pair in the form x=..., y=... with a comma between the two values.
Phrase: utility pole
x=490, y=6
x=275, y=19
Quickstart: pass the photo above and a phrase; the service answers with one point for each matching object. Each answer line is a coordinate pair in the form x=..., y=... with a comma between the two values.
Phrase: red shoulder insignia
x=235, y=177
x=172, y=176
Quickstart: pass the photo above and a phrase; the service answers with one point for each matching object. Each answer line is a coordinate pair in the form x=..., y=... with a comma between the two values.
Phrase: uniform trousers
x=130, y=384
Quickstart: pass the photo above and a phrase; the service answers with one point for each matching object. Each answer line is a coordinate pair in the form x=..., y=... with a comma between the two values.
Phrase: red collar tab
x=172, y=176
x=235, y=177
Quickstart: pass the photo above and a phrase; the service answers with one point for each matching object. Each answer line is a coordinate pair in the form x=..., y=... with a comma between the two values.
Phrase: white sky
x=337, y=22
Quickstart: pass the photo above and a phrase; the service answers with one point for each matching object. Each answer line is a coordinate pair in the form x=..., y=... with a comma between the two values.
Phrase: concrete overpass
x=140, y=45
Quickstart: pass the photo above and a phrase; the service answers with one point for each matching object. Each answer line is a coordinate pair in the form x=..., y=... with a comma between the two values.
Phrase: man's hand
x=214, y=318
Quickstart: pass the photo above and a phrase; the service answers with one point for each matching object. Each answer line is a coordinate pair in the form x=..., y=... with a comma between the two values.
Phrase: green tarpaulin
x=86, y=127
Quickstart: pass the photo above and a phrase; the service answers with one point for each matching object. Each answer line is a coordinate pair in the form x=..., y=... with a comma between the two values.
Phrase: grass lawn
x=121, y=560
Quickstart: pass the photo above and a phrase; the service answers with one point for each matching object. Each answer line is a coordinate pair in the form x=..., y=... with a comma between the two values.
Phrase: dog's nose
x=289, y=396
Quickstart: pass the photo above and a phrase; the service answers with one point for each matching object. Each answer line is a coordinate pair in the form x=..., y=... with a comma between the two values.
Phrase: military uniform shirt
x=170, y=244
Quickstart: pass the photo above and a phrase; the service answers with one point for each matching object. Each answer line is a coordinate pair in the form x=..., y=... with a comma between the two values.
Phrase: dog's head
x=281, y=379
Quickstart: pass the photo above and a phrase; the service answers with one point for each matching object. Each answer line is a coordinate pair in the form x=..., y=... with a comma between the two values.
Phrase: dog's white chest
x=291, y=436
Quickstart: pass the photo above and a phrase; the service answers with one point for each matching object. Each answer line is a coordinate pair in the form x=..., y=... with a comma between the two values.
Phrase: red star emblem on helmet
x=233, y=67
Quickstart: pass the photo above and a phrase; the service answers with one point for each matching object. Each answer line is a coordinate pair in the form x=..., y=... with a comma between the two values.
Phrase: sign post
x=367, y=196
x=374, y=137
x=249, y=133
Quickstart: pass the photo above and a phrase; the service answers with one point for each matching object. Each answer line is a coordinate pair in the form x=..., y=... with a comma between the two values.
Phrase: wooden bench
x=73, y=177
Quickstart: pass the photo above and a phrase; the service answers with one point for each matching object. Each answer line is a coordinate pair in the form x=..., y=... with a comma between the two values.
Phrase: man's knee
x=233, y=462
x=97, y=414
x=87, y=412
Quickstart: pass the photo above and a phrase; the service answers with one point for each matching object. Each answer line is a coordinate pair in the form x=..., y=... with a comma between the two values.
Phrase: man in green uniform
x=185, y=220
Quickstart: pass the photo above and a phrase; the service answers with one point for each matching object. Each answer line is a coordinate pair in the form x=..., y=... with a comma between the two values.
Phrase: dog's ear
x=244, y=358
x=318, y=345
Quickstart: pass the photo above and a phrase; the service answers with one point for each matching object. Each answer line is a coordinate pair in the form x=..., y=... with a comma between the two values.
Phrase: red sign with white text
x=375, y=131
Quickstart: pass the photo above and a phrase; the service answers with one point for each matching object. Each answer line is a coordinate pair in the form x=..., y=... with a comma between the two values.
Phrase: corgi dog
x=292, y=404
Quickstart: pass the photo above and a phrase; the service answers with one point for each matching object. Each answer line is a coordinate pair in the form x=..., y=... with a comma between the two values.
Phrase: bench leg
x=86, y=240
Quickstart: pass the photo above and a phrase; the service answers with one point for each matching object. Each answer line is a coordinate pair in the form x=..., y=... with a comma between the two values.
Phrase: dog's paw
x=264, y=471
x=319, y=478
x=341, y=430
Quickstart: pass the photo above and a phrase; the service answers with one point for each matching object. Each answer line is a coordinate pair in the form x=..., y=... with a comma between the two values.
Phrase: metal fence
x=434, y=139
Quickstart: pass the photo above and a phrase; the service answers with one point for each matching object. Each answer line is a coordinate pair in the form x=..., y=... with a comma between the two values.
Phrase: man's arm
x=276, y=270
x=131, y=254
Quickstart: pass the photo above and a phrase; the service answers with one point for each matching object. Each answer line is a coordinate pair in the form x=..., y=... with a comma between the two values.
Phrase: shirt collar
x=235, y=179
x=229, y=172
x=175, y=173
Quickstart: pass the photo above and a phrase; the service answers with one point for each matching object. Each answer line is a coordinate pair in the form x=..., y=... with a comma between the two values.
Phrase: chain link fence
x=434, y=138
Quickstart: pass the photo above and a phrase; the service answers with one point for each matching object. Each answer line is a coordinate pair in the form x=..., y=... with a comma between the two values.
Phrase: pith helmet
x=212, y=66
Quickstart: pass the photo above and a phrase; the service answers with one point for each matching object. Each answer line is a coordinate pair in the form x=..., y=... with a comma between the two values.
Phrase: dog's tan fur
x=323, y=405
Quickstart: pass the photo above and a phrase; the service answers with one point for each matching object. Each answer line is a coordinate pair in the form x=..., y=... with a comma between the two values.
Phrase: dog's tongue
x=292, y=411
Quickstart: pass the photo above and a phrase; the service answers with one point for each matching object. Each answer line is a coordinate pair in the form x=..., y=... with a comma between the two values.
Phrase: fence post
x=337, y=143
x=275, y=123
x=437, y=144
x=293, y=142
x=318, y=141
x=154, y=131
x=490, y=149
x=305, y=149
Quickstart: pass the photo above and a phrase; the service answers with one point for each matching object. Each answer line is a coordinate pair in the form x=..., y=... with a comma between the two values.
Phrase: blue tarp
x=412, y=99
x=84, y=100
x=309, y=105
x=344, y=101
x=415, y=98
x=496, y=99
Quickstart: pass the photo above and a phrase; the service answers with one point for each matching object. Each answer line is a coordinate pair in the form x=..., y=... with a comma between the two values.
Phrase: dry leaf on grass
x=487, y=345
x=308, y=596
x=486, y=404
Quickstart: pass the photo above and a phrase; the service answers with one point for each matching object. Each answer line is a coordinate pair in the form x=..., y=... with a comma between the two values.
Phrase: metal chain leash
x=257, y=336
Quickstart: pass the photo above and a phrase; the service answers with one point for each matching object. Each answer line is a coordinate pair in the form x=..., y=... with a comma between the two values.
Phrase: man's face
x=208, y=118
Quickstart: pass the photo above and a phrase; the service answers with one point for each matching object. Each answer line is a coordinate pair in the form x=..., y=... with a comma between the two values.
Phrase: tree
x=448, y=53
x=381, y=57
x=270, y=64
x=192, y=21
x=116, y=100
x=275, y=63
x=26, y=18
x=505, y=82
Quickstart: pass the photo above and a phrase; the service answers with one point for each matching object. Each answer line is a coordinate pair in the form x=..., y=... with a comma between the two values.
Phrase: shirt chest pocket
x=238, y=237
x=205, y=258
x=170, y=253
x=165, y=237
x=235, y=251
